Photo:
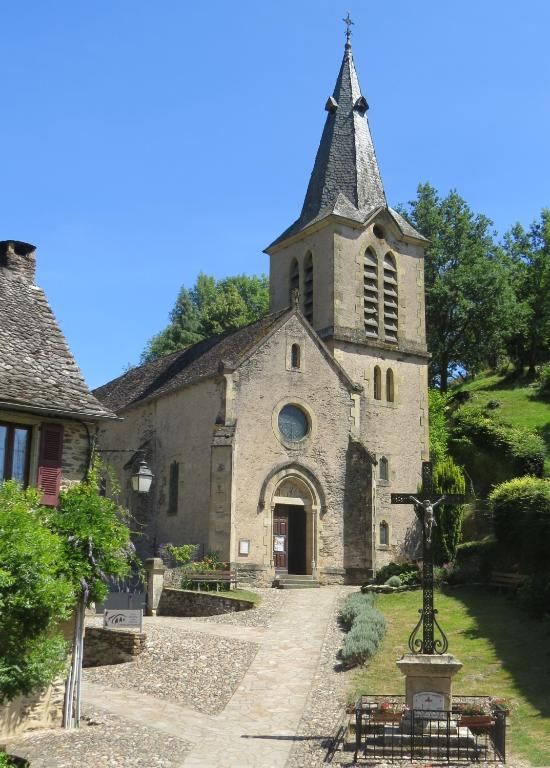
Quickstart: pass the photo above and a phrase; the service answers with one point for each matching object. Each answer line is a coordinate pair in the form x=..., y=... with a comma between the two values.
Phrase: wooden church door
x=280, y=538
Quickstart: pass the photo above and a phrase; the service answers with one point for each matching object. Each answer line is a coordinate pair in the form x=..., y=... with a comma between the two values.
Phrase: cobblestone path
x=257, y=727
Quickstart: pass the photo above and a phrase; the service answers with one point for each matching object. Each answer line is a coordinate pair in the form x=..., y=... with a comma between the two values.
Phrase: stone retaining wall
x=103, y=647
x=183, y=602
x=41, y=709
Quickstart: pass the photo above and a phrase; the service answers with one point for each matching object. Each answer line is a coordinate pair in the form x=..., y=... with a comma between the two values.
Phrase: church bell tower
x=359, y=268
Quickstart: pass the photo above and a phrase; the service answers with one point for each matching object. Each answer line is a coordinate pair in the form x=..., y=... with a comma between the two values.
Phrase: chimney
x=18, y=257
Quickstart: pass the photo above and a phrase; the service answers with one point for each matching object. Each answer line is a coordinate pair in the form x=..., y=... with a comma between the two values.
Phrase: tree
x=439, y=431
x=96, y=537
x=210, y=307
x=36, y=594
x=469, y=303
x=529, y=253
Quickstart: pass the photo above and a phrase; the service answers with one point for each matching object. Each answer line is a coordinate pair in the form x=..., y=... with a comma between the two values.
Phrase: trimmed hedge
x=366, y=627
x=521, y=511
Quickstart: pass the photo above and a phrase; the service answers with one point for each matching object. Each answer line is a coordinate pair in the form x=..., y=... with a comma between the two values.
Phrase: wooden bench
x=211, y=577
x=505, y=580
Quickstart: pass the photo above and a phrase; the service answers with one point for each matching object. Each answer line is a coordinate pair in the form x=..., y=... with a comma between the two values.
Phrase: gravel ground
x=260, y=616
x=196, y=670
x=102, y=741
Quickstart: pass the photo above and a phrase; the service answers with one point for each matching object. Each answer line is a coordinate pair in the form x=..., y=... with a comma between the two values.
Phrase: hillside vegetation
x=510, y=399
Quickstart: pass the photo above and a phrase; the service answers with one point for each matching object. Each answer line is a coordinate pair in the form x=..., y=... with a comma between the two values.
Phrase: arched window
x=295, y=356
x=294, y=280
x=377, y=388
x=370, y=293
x=383, y=469
x=390, y=389
x=384, y=534
x=390, y=299
x=308, y=288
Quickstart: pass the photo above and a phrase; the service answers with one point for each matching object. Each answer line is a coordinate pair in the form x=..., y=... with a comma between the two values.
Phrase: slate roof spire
x=346, y=162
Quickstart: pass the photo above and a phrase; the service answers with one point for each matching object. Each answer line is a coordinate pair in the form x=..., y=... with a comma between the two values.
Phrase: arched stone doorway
x=293, y=496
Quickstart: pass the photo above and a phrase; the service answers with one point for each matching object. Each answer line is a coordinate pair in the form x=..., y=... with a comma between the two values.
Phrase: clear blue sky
x=143, y=142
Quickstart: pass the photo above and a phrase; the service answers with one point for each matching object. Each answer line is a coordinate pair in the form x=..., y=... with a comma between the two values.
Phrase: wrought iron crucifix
x=424, y=508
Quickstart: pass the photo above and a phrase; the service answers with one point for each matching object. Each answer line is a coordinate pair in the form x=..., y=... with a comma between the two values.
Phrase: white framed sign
x=244, y=546
x=278, y=543
x=123, y=619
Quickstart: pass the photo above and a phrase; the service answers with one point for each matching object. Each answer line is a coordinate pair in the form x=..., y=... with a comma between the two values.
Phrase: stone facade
x=103, y=646
x=344, y=346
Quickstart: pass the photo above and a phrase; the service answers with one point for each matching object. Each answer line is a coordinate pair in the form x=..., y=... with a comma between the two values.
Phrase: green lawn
x=505, y=654
x=518, y=404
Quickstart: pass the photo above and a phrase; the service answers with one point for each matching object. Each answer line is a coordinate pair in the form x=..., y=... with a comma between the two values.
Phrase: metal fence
x=386, y=729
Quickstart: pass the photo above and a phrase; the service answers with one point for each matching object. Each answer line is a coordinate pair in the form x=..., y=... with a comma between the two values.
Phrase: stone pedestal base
x=428, y=680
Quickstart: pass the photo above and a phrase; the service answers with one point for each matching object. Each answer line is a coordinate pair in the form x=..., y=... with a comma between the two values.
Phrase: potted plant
x=389, y=712
x=475, y=715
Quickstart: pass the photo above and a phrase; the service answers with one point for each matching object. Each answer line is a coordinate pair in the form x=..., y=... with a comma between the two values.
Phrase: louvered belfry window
x=49, y=463
x=294, y=281
x=308, y=288
x=390, y=299
x=370, y=290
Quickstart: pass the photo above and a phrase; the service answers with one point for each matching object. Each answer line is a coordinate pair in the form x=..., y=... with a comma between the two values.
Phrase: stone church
x=278, y=445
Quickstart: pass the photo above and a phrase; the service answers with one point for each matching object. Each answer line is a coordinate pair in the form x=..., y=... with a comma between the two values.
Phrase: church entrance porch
x=289, y=539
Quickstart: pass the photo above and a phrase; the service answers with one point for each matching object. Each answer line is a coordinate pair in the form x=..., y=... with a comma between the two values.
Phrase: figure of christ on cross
x=424, y=508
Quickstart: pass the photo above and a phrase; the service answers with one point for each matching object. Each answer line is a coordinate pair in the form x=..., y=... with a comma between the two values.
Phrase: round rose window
x=293, y=423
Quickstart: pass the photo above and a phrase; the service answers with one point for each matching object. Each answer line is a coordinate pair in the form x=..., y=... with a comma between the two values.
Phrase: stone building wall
x=182, y=602
x=175, y=428
x=263, y=385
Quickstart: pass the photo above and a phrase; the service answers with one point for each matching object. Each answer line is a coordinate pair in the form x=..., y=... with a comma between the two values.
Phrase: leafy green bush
x=366, y=627
x=534, y=595
x=544, y=381
x=355, y=604
x=473, y=562
x=407, y=572
x=36, y=593
x=447, y=478
x=182, y=555
x=394, y=581
x=521, y=511
x=521, y=448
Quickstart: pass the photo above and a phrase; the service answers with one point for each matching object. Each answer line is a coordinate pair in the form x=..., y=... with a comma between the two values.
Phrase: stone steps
x=295, y=581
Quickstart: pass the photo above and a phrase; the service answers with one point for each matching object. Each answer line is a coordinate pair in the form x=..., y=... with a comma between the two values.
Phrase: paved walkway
x=257, y=727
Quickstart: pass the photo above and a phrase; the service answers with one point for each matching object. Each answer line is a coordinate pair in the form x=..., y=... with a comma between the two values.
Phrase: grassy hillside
x=518, y=404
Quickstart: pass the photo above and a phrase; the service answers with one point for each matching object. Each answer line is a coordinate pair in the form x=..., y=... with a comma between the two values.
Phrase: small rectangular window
x=173, y=489
x=15, y=443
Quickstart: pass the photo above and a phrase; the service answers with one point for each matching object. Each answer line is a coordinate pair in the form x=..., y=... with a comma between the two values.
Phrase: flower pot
x=477, y=721
x=387, y=717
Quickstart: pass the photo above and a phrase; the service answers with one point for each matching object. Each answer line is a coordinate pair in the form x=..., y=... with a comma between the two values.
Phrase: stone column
x=154, y=568
x=429, y=676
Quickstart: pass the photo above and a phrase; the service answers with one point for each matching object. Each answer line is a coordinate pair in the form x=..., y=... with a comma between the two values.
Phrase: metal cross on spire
x=424, y=509
x=348, y=22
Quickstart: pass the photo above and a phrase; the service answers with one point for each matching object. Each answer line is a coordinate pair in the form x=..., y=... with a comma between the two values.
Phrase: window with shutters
x=384, y=534
x=294, y=281
x=49, y=463
x=390, y=387
x=390, y=299
x=173, y=490
x=370, y=294
x=308, y=288
x=15, y=441
x=377, y=384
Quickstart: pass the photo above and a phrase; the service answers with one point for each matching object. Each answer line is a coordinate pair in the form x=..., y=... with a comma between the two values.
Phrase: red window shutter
x=49, y=463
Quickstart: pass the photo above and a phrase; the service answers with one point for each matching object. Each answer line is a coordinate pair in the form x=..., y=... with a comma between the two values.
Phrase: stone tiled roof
x=37, y=369
x=180, y=369
x=345, y=180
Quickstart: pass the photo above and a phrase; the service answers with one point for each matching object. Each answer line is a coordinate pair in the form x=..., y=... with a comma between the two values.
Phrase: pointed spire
x=346, y=162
